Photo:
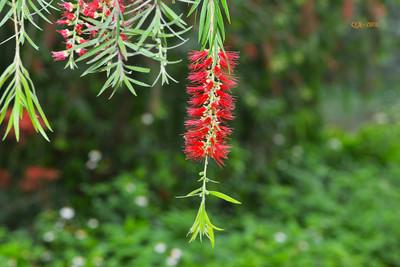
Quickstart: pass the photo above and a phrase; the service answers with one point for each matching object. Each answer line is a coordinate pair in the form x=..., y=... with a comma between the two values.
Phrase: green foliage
x=147, y=27
x=20, y=93
x=16, y=87
x=324, y=214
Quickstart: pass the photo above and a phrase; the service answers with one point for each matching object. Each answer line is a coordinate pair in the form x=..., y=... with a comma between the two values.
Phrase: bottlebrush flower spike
x=211, y=105
x=210, y=108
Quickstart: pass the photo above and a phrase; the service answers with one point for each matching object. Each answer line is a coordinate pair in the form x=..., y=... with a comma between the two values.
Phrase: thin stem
x=16, y=20
x=71, y=63
x=17, y=57
x=205, y=180
x=212, y=30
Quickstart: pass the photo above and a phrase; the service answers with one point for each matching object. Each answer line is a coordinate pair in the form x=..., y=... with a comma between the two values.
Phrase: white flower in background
x=48, y=236
x=171, y=261
x=93, y=223
x=160, y=247
x=174, y=257
x=141, y=201
x=91, y=165
x=278, y=139
x=280, y=237
x=78, y=261
x=67, y=213
x=176, y=253
x=335, y=144
x=130, y=188
x=95, y=155
x=147, y=118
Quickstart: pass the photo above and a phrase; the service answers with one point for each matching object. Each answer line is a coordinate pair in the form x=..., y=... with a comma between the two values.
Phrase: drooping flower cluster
x=211, y=105
x=77, y=19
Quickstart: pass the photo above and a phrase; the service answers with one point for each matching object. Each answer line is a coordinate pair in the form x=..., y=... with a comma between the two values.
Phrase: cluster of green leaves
x=211, y=33
x=202, y=225
x=146, y=26
x=162, y=25
x=16, y=86
x=21, y=90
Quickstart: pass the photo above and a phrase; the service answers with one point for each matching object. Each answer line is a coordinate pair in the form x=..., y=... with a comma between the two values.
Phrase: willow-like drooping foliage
x=17, y=90
x=106, y=34
x=109, y=34
x=210, y=106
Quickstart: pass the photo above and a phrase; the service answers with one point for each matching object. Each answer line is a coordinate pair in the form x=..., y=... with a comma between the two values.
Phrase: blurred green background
x=315, y=159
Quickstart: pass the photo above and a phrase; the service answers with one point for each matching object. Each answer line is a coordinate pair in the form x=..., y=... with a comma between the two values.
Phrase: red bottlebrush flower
x=210, y=105
x=69, y=16
x=81, y=51
x=63, y=22
x=123, y=36
x=81, y=4
x=196, y=56
x=75, y=20
x=67, y=6
x=81, y=40
x=94, y=5
x=89, y=13
x=64, y=33
x=79, y=28
x=68, y=45
x=59, y=55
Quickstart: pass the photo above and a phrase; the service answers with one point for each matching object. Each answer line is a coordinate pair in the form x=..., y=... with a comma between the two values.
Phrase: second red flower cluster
x=76, y=20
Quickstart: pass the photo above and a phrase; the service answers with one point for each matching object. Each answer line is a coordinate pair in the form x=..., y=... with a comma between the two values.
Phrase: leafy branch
x=212, y=17
x=110, y=38
x=18, y=90
x=202, y=225
x=111, y=52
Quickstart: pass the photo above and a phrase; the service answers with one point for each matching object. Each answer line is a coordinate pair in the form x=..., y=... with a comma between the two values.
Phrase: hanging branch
x=17, y=89
x=210, y=105
x=107, y=34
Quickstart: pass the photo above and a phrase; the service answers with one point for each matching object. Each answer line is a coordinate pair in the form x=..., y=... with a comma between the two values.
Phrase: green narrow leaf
x=6, y=17
x=95, y=50
x=191, y=194
x=138, y=69
x=129, y=86
x=30, y=41
x=202, y=27
x=2, y=4
x=224, y=197
x=226, y=10
x=194, y=7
